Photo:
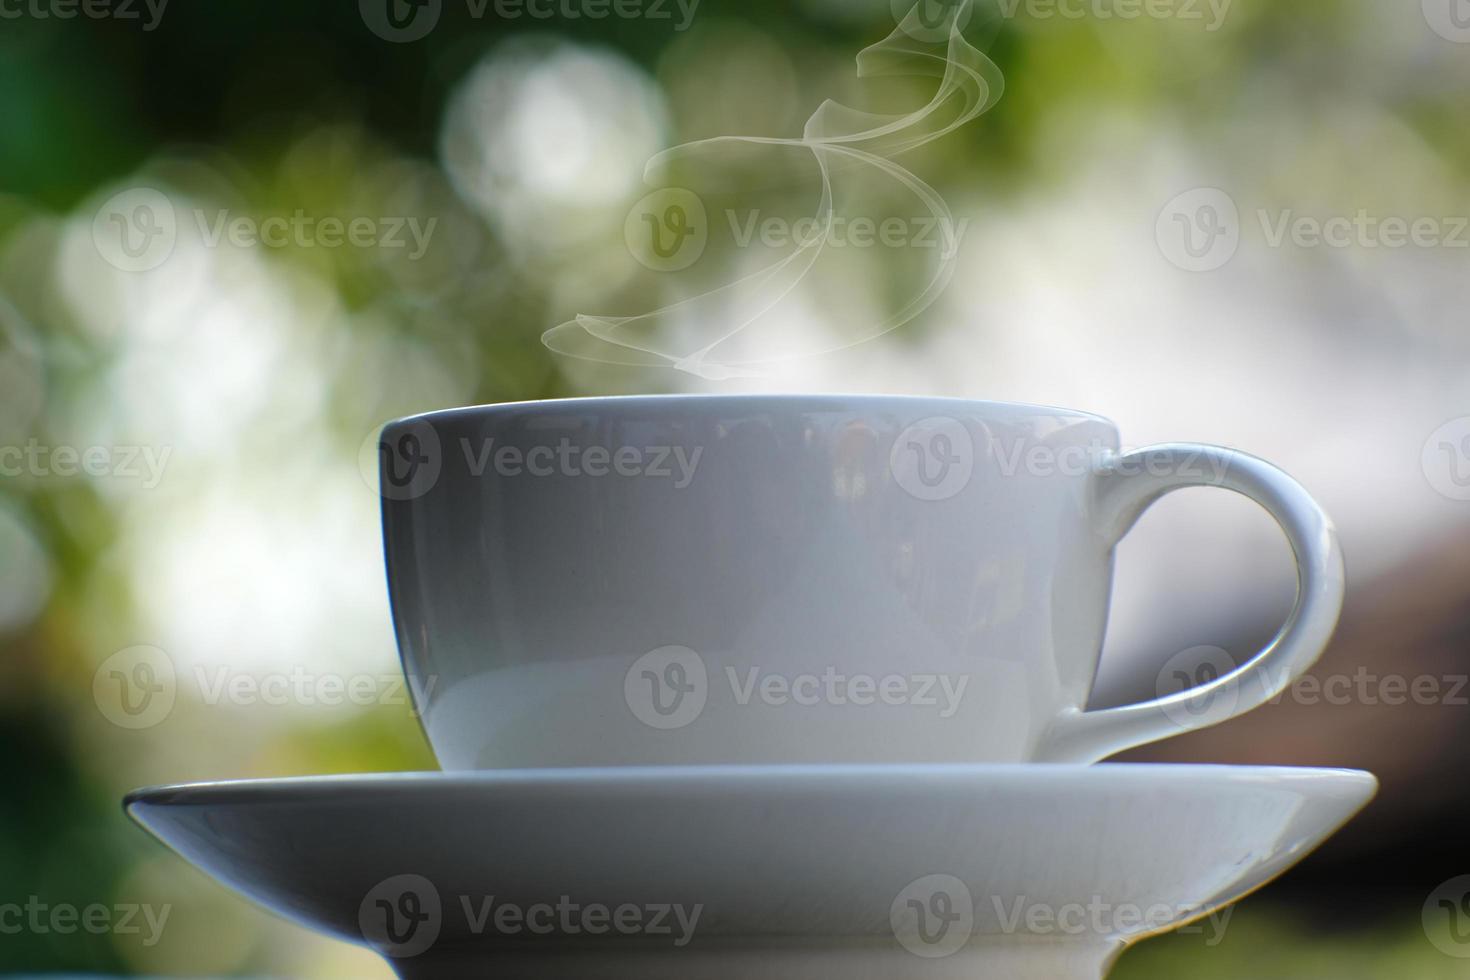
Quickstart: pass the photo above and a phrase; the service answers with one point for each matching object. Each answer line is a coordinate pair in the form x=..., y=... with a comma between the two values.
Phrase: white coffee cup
x=793, y=579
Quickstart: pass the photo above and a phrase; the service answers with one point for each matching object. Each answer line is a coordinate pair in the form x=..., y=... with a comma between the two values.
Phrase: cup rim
x=760, y=401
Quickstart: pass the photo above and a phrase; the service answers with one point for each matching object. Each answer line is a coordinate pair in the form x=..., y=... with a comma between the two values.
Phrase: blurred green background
x=190, y=451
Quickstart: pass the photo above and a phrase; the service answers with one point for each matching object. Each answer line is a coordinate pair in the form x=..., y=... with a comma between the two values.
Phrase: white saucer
x=793, y=872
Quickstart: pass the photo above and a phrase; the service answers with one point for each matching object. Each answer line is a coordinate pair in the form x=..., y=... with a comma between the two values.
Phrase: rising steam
x=840, y=139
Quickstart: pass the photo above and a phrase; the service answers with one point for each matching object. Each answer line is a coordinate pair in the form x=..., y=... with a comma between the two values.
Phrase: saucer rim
x=308, y=788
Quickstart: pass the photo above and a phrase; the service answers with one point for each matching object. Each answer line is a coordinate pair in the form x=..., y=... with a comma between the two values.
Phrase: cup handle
x=1125, y=486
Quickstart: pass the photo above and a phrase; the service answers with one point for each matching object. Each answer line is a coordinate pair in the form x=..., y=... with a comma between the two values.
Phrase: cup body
x=745, y=579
